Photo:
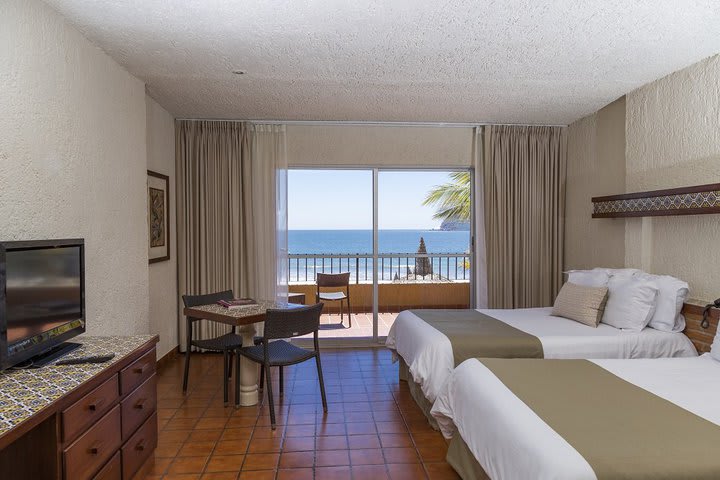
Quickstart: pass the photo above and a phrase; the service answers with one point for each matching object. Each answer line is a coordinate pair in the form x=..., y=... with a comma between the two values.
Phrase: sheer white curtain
x=269, y=194
x=480, y=277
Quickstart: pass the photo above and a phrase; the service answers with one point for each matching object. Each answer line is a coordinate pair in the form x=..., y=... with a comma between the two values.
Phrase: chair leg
x=262, y=378
x=230, y=363
x=187, y=369
x=322, y=382
x=225, y=377
x=341, y=311
x=349, y=312
x=268, y=381
x=237, y=379
x=282, y=382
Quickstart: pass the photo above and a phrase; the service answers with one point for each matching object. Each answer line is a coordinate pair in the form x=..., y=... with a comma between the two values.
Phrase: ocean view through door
x=419, y=256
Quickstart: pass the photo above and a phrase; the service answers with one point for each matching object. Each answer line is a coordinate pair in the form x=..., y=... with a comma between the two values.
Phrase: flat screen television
x=42, y=299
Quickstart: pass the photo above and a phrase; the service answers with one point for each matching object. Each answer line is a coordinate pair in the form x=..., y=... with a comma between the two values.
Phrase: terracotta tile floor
x=333, y=327
x=373, y=429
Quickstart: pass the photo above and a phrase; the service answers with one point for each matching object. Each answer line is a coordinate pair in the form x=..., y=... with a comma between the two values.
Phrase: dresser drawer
x=112, y=470
x=138, y=406
x=89, y=409
x=137, y=372
x=139, y=447
x=94, y=448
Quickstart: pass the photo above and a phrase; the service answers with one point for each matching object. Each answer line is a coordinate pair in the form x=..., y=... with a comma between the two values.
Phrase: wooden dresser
x=82, y=421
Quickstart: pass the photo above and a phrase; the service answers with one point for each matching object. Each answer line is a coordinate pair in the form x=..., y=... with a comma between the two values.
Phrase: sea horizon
x=351, y=241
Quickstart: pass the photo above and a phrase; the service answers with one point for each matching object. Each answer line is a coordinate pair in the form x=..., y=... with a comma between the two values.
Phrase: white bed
x=511, y=442
x=428, y=352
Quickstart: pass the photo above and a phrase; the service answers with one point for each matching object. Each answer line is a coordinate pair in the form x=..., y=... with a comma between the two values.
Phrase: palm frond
x=452, y=199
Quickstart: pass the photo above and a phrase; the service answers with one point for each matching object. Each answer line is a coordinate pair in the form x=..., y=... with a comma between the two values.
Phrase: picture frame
x=158, y=217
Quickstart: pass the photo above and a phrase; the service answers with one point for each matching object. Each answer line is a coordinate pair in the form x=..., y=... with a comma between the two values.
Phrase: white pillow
x=715, y=348
x=588, y=278
x=618, y=272
x=672, y=293
x=631, y=303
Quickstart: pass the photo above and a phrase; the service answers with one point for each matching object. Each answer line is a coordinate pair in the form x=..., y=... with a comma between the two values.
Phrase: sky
x=342, y=199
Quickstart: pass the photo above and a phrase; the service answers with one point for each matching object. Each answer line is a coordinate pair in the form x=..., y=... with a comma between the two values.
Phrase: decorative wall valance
x=695, y=200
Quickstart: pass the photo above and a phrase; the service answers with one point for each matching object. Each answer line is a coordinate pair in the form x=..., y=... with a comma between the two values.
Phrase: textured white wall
x=163, y=275
x=73, y=158
x=673, y=140
x=379, y=145
x=596, y=166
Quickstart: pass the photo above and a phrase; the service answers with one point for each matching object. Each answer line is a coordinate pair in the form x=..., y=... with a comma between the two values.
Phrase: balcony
x=401, y=286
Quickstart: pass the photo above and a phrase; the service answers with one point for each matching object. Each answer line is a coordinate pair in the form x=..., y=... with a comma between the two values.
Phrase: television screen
x=42, y=290
x=43, y=296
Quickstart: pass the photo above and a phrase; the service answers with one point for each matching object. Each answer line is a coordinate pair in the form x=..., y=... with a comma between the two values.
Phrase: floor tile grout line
x=379, y=387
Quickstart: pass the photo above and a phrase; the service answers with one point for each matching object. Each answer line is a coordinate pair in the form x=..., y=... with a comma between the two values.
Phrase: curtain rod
x=370, y=123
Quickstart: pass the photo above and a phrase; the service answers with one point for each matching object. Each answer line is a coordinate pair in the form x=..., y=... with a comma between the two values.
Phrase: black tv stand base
x=53, y=354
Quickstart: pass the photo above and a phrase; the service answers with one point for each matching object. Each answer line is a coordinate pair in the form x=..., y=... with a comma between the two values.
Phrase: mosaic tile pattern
x=245, y=311
x=685, y=201
x=23, y=393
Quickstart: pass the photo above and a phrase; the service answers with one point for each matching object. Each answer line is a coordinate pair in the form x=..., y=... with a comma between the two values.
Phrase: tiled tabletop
x=251, y=310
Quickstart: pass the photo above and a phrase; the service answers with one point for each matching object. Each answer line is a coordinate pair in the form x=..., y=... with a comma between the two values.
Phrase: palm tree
x=452, y=199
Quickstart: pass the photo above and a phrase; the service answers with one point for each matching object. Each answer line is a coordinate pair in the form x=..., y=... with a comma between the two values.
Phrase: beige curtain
x=524, y=171
x=227, y=210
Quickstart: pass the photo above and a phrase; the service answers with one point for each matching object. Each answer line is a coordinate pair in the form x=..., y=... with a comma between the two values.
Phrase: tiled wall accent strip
x=701, y=199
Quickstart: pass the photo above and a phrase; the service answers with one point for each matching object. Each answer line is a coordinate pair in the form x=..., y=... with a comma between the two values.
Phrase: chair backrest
x=292, y=322
x=333, y=279
x=208, y=298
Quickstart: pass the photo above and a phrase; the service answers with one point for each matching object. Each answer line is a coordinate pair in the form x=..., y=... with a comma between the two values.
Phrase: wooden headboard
x=701, y=337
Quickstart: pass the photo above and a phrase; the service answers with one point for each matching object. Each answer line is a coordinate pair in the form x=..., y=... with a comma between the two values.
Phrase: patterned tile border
x=23, y=393
x=681, y=201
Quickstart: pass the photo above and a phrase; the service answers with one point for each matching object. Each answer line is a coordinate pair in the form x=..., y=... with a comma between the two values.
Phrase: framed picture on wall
x=158, y=217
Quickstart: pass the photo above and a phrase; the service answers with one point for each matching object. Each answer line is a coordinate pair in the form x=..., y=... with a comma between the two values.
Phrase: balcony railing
x=446, y=267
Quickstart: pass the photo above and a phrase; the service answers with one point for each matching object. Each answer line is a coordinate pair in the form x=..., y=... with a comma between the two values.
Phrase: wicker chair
x=330, y=280
x=228, y=344
x=279, y=325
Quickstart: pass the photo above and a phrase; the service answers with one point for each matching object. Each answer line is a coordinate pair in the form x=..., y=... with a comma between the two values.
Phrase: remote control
x=90, y=359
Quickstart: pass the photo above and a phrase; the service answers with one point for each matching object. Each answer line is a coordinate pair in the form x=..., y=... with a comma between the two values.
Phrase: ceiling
x=494, y=61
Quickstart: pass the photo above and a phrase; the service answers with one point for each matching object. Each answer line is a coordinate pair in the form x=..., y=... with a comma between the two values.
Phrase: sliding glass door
x=424, y=241
x=401, y=237
x=330, y=239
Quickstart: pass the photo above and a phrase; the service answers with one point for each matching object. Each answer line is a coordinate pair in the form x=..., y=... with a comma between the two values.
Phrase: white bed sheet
x=428, y=352
x=511, y=442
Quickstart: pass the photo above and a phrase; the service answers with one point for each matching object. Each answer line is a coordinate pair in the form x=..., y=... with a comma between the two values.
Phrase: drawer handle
x=140, y=370
x=140, y=404
x=140, y=445
x=95, y=449
x=96, y=404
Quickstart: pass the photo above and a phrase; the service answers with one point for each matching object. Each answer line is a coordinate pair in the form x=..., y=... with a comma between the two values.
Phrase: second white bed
x=429, y=356
x=510, y=441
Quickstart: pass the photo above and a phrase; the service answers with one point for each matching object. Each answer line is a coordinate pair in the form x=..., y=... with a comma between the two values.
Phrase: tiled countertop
x=23, y=393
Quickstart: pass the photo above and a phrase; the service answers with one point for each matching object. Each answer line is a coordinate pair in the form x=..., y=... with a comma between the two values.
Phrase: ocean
x=324, y=243
x=389, y=241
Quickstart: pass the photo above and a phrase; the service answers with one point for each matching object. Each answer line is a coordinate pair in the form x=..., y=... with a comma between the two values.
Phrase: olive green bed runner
x=621, y=430
x=461, y=458
x=473, y=334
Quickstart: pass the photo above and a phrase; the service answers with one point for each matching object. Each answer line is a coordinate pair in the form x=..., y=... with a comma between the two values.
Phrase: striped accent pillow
x=582, y=304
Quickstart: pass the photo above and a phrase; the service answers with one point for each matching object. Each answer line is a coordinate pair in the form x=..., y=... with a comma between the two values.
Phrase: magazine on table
x=237, y=303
